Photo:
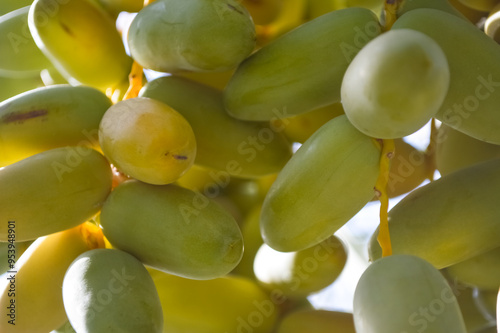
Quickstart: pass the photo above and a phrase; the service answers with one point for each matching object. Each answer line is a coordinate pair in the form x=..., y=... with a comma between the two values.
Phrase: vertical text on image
x=11, y=273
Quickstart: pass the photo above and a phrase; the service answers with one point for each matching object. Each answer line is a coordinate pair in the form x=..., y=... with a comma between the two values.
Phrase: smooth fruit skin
x=248, y=193
x=317, y=321
x=14, y=86
x=52, y=191
x=198, y=179
x=107, y=291
x=147, y=140
x=211, y=183
x=328, y=180
x=300, y=128
x=50, y=117
x=317, y=8
x=296, y=72
x=81, y=40
x=299, y=274
x=395, y=84
x=292, y=15
x=115, y=7
x=320, y=7
x=449, y=220
x=243, y=149
x=474, y=16
x=393, y=290
x=443, y=5
x=226, y=304
x=482, y=5
x=374, y=5
x=264, y=12
x=471, y=105
x=482, y=271
x=19, y=52
x=38, y=282
x=172, y=229
x=217, y=80
x=456, y=150
x=193, y=35
x=7, y=6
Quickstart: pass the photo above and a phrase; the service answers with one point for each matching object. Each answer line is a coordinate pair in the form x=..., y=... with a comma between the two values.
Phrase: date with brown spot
x=22, y=116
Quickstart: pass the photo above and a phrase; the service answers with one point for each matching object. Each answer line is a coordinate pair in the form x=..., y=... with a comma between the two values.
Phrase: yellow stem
x=387, y=153
x=92, y=235
x=135, y=79
x=391, y=9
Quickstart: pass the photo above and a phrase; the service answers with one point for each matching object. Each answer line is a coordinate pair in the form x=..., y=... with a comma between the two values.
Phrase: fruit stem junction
x=390, y=11
x=135, y=79
x=387, y=153
x=92, y=235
